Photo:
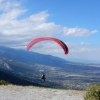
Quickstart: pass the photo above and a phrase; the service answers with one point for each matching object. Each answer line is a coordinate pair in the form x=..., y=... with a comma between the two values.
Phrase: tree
x=2, y=82
x=93, y=92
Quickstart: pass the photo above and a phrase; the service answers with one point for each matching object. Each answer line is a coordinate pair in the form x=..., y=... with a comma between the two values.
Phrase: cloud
x=25, y=29
x=16, y=31
x=82, y=50
x=80, y=47
x=83, y=43
x=7, y=5
x=78, y=32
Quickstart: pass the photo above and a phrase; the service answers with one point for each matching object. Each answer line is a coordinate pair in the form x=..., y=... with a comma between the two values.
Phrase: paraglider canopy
x=36, y=40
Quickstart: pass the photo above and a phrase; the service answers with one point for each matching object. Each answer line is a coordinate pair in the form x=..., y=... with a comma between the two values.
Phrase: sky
x=75, y=22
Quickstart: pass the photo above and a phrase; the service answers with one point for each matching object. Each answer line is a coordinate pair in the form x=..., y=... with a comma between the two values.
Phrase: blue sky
x=76, y=22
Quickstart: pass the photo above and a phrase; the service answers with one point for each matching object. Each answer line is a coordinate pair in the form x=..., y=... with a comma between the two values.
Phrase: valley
x=59, y=72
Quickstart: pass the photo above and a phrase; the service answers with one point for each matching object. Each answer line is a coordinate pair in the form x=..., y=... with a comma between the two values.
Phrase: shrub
x=2, y=82
x=93, y=92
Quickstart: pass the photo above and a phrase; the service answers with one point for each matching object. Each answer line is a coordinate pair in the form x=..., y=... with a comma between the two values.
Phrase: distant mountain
x=30, y=57
x=84, y=60
x=29, y=66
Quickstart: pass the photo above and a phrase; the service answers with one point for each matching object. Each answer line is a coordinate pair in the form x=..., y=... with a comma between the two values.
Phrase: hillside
x=15, y=80
x=60, y=73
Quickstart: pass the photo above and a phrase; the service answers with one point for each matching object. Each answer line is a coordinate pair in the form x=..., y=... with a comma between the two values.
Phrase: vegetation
x=93, y=92
x=2, y=82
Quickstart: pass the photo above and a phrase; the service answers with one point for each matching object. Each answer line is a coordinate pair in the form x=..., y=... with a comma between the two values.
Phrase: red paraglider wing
x=62, y=44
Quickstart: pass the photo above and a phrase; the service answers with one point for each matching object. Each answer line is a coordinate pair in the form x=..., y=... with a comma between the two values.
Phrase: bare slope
x=37, y=93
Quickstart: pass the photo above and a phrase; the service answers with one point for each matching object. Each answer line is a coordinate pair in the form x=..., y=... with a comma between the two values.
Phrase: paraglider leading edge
x=36, y=40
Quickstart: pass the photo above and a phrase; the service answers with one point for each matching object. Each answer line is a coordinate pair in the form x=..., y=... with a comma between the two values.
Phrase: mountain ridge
x=26, y=56
x=60, y=73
